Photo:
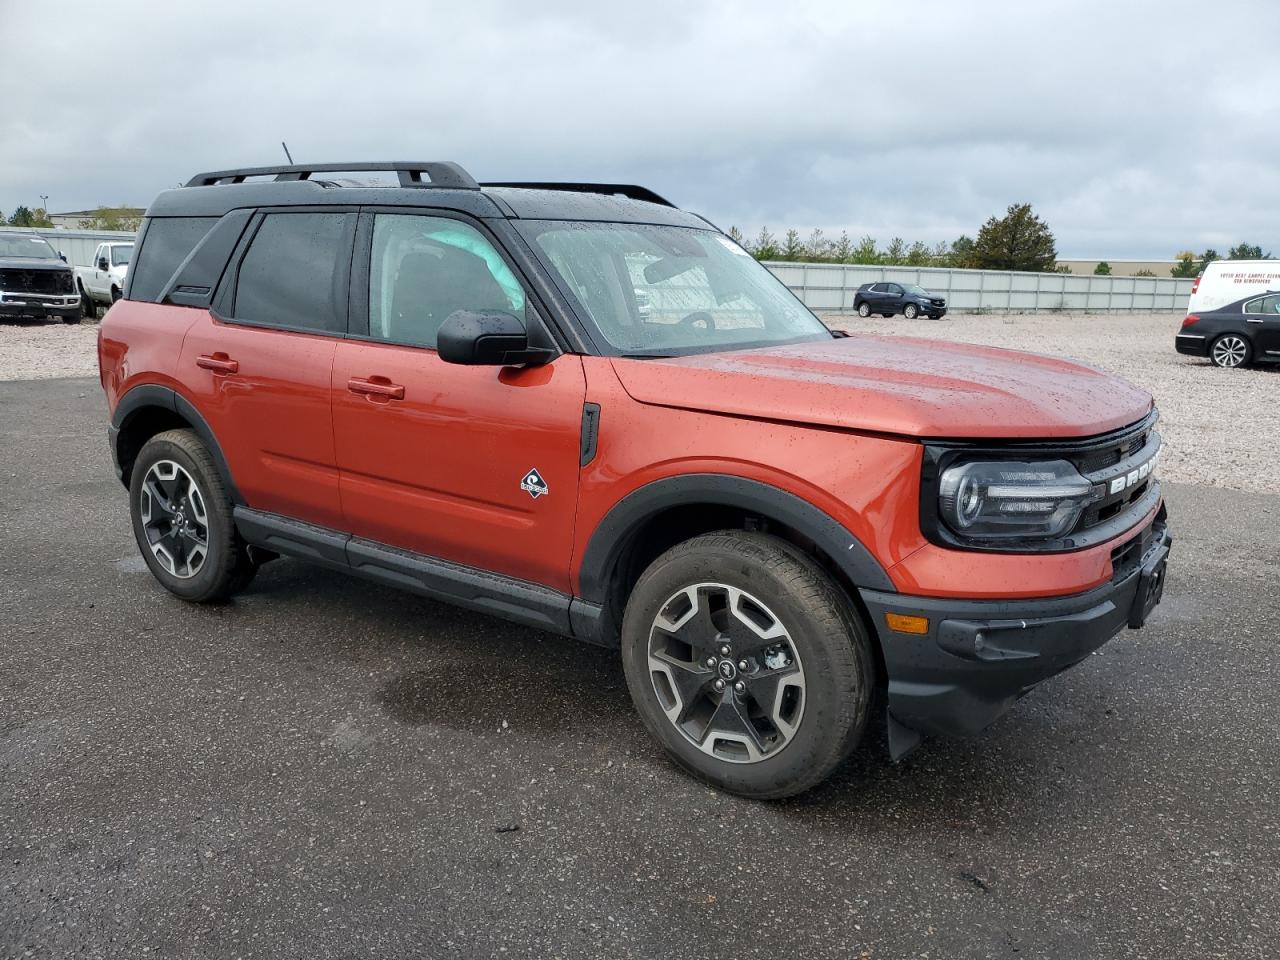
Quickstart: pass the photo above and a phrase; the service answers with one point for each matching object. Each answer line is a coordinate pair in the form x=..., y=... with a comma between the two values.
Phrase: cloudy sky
x=1136, y=129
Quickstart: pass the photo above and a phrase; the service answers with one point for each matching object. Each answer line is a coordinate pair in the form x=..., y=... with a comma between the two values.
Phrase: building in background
x=72, y=219
x=1119, y=268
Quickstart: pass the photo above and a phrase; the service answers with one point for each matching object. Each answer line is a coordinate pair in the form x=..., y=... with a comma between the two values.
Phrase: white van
x=1225, y=282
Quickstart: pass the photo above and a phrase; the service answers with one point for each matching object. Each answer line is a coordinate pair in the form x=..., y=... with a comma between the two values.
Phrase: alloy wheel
x=175, y=519
x=726, y=673
x=1230, y=351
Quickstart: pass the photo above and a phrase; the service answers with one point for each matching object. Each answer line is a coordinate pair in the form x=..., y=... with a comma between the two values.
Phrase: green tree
x=842, y=249
x=26, y=217
x=1186, y=266
x=1144, y=272
x=896, y=253
x=1019, y=240
x=1209, y=256
x=766, y=246
x=1103, y=269
x=961, y=253
x=792, y=245
x=918, y=255
x=112, y=218
x=818, y=246
x=1247, y=251
x=866, y=252
x=736, y=236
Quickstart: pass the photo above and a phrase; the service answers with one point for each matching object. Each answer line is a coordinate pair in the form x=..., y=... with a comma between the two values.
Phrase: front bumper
x=980, y=656
x=39, y=305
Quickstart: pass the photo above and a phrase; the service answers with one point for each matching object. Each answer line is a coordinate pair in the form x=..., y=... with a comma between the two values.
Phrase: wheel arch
x=655, y=517
x=149, y=409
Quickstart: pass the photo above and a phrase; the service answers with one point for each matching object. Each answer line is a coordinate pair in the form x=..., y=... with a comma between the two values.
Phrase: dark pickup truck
x=35, y=280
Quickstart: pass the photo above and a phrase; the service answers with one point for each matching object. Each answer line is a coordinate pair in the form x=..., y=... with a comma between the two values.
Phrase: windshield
x=914, y=290
x=665, y=291
x=26, y=246
x=120, y=255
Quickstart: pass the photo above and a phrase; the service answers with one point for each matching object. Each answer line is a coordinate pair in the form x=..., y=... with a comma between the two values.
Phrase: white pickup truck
x=103, y=280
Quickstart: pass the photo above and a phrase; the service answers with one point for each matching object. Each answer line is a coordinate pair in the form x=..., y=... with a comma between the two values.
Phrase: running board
x=526, y=603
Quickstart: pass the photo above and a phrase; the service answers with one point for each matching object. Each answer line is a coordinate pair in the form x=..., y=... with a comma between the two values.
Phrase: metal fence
x=76, y=245
x=830, y=288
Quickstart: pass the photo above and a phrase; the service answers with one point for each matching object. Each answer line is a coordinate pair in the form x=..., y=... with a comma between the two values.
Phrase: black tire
x=910, y=311
x=226, y=566
x=864, y=310
x=72, y=318
x=87, y=307
x=826, y=636
x=115, y=294
x=1230, y=351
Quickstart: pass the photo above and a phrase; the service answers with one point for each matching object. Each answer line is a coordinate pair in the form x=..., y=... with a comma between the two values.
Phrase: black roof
x=439, y=184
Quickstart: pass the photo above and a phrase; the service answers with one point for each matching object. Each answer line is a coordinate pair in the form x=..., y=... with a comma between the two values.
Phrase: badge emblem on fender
x=533, y=484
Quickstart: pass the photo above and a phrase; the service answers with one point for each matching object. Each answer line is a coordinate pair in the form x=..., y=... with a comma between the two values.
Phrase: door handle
x=376, y=387
x=1253, y=319
x=218, y=363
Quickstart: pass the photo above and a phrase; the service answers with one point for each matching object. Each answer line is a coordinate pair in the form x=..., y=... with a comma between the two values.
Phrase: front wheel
x=864, y=310
x=1230, y=350
x=747, y=663
x=182, y=520
x=911, y=311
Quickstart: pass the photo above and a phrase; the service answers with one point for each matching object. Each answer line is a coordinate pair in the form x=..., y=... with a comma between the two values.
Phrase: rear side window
x=294, y=273
x=166, y=243
x=1269, y=305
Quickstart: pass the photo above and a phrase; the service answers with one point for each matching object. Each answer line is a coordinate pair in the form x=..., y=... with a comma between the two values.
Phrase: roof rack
x=608, y=189
x=440, y=173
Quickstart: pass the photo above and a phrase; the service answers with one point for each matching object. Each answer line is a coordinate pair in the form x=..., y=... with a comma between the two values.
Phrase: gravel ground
x=1220, y=427
x=40, y=351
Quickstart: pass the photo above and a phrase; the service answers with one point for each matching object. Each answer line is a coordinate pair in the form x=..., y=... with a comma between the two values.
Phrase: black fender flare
x=150, y=395
x=629, y=514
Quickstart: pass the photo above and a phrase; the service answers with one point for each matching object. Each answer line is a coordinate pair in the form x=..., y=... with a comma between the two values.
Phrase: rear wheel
x=1230, y=350
x=747, y=663
x=864, y=310
x=115, y=294
x=182, y=520
x=911, y=311
x=87, y=308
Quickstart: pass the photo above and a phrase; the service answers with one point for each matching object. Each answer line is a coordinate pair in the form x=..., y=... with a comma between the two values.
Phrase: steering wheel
x=699, y=316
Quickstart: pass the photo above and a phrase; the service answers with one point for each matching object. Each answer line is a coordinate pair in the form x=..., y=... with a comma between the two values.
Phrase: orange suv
x=582, y=409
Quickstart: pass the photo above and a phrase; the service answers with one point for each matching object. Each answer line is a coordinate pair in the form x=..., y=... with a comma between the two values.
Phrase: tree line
x=104, y=218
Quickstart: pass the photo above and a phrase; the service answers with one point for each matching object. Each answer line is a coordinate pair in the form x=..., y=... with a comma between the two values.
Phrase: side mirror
x=102, y=263
x=487, y=338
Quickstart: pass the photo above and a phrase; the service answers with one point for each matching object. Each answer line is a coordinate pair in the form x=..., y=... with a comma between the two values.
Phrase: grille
x=37, y=281
x=1118, y=457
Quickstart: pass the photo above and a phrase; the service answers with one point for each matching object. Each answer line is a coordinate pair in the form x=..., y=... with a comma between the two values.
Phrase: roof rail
x=608, y=189
x=440, y=173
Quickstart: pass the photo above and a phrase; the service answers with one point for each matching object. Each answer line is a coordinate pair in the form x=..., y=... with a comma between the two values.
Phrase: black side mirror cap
x=102, y=263
x=487, y=338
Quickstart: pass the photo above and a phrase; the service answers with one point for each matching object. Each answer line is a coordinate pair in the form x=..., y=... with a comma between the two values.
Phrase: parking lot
x=329, y=768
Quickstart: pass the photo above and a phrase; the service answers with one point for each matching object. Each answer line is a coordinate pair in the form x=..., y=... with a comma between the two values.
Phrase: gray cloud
x=1137, y=129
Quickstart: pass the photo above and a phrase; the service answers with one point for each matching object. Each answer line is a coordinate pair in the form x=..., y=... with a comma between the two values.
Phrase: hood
x=31, y=263
x=918, y=388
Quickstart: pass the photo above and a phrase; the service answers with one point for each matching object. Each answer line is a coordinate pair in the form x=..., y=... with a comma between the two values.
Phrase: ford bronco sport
x=582, y=409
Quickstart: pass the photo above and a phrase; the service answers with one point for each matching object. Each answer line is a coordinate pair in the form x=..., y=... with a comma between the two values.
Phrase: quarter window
x=292, y=274
x=165, y=244
x=424, y=268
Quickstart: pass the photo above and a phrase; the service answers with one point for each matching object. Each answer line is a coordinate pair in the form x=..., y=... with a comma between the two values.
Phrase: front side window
x=424, y=268
x=292, y=276
x=120, y=255
x=660, y=290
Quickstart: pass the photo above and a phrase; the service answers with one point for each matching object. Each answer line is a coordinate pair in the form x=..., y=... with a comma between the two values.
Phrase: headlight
x=1012, y=500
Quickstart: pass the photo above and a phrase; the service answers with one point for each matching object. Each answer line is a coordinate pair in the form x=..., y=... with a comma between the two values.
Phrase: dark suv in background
x=888, y=298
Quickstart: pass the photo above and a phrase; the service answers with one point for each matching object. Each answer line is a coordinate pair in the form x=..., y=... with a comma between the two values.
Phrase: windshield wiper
x=647, y=356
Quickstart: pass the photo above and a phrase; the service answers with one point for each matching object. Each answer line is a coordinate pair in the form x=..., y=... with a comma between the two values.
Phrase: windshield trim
x=529, y=231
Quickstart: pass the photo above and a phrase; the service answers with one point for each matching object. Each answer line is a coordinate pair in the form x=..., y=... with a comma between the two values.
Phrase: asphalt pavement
x=326, y=768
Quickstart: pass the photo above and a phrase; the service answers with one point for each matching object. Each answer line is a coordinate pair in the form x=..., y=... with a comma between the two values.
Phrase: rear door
x=1262, y=318
x=258, y=365
x=473, y=464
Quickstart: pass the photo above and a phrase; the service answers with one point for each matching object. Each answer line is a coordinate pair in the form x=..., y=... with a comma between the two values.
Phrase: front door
x=472, y=464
